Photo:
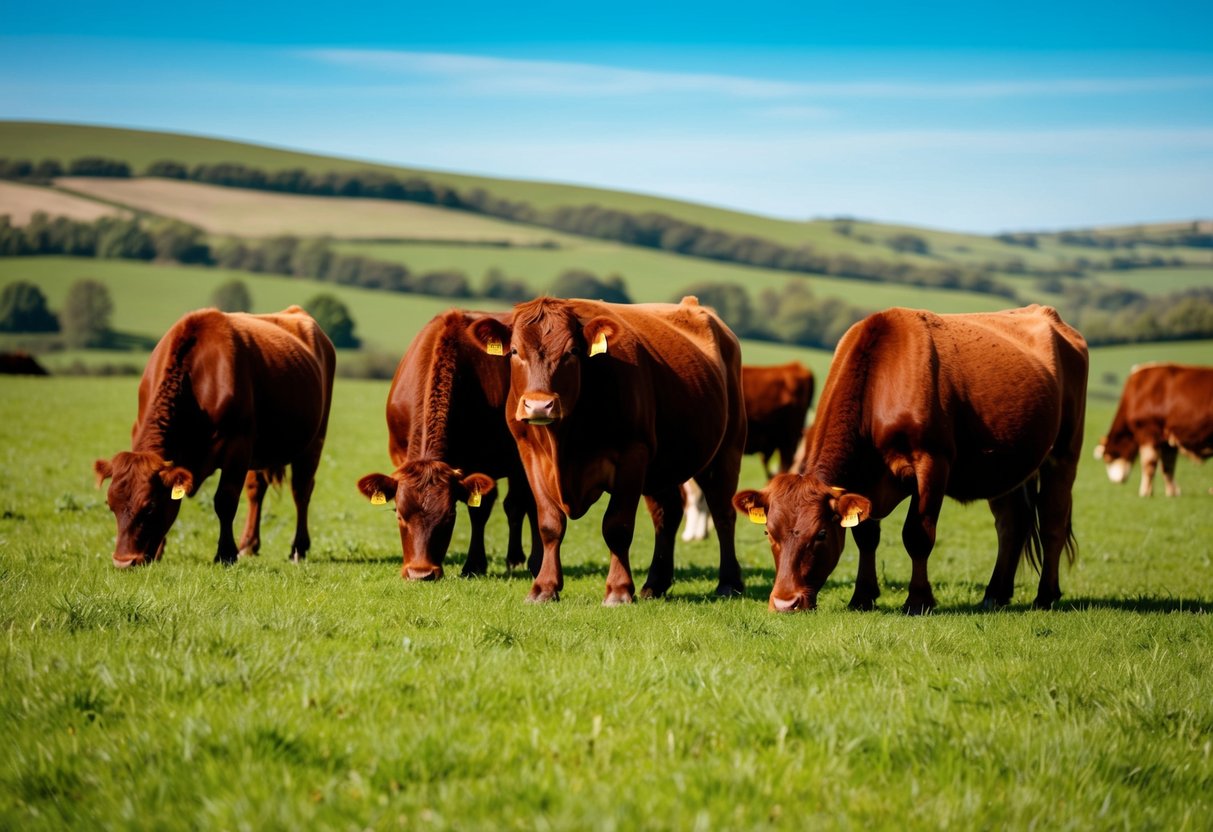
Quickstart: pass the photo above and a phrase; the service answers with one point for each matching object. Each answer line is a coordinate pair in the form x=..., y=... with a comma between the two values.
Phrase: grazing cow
x=777, y=402
x=1164, y=409
x=986, y=406
x=630, y=400
x=444, y=417
x=248, y=394
x=20, y=363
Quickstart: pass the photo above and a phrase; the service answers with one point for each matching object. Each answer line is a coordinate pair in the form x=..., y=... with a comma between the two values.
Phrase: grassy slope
x=336, y=694
x=20, y=202
x=65, y=141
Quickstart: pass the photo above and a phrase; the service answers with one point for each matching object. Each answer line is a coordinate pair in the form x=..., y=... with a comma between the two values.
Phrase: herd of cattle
x=571, y=399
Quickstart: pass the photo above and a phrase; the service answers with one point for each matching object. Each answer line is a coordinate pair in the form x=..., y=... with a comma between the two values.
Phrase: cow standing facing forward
x=630, y=400
x=1164, y=409
x=985, y=406
x=248, y=394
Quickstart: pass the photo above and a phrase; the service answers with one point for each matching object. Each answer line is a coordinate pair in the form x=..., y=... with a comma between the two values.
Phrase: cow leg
x=719, y=485
x=618, y=526
x=867, y=589
x=1054, y=508
x=918, y=532
x=666, y=510
x=1013, y=522
x=549, y=579
x=1169, y=454
x=477, y=562
x=1149, y=462
x=227, y=500
x=303, y=480
x=519, y=505
x=255, y=486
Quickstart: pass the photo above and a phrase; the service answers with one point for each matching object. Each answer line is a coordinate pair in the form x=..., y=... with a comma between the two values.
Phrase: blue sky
x=957, y=115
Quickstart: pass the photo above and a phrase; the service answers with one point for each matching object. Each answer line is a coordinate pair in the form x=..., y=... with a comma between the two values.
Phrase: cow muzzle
x=126, y=561
x=1118, y=470
x=538, y=409
x=800, y=601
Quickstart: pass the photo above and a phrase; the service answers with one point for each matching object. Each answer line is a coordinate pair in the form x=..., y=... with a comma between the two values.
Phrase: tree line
x=648, y=229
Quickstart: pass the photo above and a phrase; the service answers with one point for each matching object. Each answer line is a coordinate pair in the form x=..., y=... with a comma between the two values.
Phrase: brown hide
x=658, y=404
x=777, y=402
x=984, y=406
x=1164, y=409
x=444, y=418
x=248, y=394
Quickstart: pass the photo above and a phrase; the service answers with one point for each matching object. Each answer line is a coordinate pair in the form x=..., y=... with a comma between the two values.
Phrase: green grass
x=335, y=695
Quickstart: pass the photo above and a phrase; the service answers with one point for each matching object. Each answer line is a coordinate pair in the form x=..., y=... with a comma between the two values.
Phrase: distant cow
x=20, y=363
x=631, y=400
x=986, y=406
x=445, y=416
x=1164, y=409
x=248, y=394
x=777, y=402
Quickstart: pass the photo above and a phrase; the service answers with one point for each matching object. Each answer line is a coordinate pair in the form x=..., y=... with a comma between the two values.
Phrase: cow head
x=546, y=346
x=145, y=495
x=425, y=493
x=1117, y=453
x=806, y=523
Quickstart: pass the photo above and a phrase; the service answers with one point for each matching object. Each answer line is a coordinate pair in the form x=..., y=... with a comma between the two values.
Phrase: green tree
x=175, y=240
x=232, y=296
x=730, y=300
x=86, y=314
x=577, y=283
x=23, y=309
x=334, y=318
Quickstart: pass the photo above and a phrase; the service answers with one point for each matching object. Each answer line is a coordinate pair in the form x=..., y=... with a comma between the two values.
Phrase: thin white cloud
x=476, y=74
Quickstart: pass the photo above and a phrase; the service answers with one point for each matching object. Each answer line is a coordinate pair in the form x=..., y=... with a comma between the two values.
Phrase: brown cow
x=1164, y=409
x=444, y=416
x=249, y=394
x=777, y=400
x=986, y=406
x=629, y=400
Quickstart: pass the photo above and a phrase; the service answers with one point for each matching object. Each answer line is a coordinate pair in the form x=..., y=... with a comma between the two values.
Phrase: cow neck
x=165, y=426
x=439, y=394
x=840, y=452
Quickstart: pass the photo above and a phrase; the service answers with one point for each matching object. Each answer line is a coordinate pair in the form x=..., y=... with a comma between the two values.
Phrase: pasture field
x=248, y=213
x=334, y=695
x=20, y=202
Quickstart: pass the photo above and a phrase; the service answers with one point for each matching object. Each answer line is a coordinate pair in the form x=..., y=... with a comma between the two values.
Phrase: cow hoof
x=543, y=596
x=226, y=560
x=862, y=604
x=298, y=557
x=992, y=604
x=649, y=593
x=724, y=590
x=617, y=599
x=917, y=608
x=474, y=572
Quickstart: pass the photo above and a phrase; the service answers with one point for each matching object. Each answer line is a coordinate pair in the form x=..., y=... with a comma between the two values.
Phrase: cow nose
x=796, y=602
x=423, y=573
x=539, y=411
x=124, y=561
x=540, y=407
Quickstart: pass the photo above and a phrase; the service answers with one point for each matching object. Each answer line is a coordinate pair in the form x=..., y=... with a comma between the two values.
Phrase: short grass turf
x=334, y=695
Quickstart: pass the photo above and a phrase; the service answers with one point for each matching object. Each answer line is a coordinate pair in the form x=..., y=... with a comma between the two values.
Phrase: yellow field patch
x=250, y=213
x=21, y=202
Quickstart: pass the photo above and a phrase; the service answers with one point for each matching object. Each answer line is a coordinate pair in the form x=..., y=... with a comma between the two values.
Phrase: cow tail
x=1033, y=549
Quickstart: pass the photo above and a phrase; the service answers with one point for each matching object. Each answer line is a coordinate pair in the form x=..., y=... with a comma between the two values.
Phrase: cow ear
x=179, y=479
x=377, y=488
x=598, y=334
x=753, y=504
x=852, y=509
x=104, y=469
x=475, y=486
x=492, y=335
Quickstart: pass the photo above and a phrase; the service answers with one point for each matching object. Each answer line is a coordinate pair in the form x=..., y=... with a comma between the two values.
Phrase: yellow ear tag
x=494, y=347
x=599, y=345
x=474, y=499
x=758, y=515
x=851, y=519
x=178, y=491
x=378, y=499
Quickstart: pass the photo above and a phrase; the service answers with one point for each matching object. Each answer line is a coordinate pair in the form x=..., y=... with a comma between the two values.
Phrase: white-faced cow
x=248, y=394
x=1164, y=409
x=630, y=400
x=985, y=406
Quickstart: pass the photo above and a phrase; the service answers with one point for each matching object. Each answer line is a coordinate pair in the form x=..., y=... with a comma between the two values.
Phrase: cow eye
x=574, y=351
x=513, y=351
x=821, y=534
